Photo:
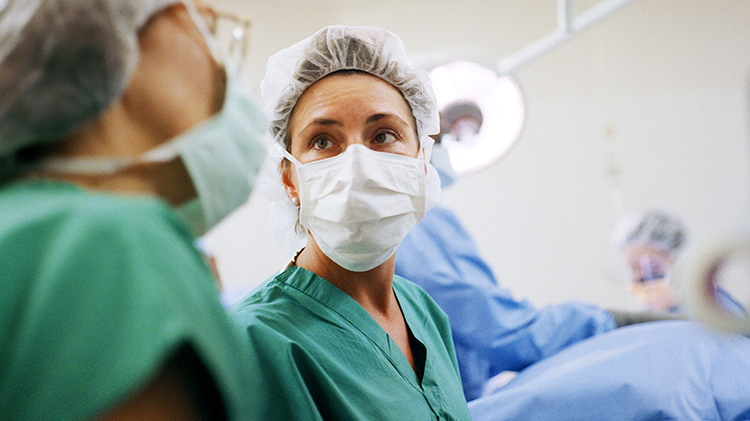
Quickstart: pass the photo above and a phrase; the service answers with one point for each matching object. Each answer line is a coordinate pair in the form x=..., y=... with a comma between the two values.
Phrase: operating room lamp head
x=481, y=114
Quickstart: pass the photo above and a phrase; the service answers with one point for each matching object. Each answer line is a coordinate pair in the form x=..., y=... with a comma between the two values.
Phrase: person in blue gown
x=569, y=360
x=494, y=333
x=651, y=243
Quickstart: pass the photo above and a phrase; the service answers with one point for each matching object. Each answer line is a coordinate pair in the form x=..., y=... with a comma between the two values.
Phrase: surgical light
x=481, y=113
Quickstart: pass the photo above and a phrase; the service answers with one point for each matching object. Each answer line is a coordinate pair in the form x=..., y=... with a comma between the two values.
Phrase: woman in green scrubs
x=337, y=335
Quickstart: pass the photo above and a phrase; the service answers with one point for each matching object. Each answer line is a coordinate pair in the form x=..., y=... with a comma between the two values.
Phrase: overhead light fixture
x=481, y=113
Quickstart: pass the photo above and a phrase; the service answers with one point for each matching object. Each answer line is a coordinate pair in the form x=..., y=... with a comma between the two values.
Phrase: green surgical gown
x=323, y=357
x=97, y=290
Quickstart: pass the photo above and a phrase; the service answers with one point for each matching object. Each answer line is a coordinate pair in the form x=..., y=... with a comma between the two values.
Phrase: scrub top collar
x=307, y=284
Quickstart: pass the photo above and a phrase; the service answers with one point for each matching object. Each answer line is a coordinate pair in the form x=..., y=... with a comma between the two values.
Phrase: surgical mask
x=360, y=204
x=442, y=163
x=222, y=156
x=653, y=269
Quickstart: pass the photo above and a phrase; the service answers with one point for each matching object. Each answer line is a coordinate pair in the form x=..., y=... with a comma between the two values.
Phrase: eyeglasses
x=232, y=33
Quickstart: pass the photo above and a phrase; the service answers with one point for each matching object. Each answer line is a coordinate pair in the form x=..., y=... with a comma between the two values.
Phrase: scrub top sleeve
x=112, y=296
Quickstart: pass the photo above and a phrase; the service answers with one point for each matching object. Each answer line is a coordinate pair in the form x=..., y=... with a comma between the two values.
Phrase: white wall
x=657, y=91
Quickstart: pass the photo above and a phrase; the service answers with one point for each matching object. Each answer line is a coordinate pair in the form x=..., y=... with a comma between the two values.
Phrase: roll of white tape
x=703, y=270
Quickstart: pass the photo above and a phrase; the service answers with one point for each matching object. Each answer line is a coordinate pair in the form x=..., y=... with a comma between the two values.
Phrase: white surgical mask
x=359, y=205
x=222, y=155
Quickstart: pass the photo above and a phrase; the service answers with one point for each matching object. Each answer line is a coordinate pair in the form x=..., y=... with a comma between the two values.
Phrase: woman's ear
x=289, y=179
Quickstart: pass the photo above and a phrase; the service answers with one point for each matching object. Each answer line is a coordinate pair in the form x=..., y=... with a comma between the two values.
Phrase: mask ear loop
x=426, y=143
x=298, y=228
x=422, y=155
x=109, y=166
x=286, y=154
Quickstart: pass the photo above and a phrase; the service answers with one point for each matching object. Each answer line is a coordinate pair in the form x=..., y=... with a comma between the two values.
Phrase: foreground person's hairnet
x=372, y=50
x=291, y=71
x=95, y=40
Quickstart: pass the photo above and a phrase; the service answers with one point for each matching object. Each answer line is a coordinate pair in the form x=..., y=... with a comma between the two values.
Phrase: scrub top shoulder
x=322, y=356
x=98, y=291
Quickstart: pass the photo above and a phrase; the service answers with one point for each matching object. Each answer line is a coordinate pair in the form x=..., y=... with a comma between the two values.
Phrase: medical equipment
x=482, y=109
x=568, y=25
x=716, y=284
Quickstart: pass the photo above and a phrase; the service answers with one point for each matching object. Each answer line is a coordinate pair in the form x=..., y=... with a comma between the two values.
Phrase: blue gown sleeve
x=492, y=331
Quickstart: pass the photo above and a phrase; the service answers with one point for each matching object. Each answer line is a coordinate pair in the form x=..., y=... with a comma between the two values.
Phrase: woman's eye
x=321, y=143
x=385, y=137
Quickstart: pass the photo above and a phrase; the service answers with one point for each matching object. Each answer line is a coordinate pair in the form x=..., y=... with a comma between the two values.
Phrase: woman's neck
x=372, y=289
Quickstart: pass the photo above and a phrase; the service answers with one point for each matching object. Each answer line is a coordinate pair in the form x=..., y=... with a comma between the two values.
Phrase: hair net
x=62, y=62
x=371, y=50
x=652, y=227
x=291, y=71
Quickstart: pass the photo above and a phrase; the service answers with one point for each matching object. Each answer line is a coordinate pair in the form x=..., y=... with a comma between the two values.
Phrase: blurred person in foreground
x=122, y=138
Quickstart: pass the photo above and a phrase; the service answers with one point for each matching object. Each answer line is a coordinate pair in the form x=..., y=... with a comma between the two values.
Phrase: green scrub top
x=322, y=356
x=97, y=291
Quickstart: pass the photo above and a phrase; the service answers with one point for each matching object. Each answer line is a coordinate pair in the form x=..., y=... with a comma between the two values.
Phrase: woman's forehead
x=352, y=93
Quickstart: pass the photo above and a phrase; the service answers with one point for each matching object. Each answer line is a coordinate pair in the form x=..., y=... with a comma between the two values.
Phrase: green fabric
x=97, y=290
x=322, y=356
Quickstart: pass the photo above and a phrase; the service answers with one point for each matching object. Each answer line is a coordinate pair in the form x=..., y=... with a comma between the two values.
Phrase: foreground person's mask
x=223, y=155
x=359, y=205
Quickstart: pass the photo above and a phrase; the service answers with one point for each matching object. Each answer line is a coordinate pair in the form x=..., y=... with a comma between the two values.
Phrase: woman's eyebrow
x=321, y=121
x=379, y=116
